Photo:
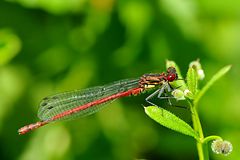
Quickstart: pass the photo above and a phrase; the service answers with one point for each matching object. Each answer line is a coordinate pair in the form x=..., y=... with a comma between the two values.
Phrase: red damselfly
x=79, y=103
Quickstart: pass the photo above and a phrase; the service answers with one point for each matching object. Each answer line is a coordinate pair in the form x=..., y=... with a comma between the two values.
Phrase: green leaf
x=217, y=76
x=192, y=80
x=179, y=83
x=170, y=121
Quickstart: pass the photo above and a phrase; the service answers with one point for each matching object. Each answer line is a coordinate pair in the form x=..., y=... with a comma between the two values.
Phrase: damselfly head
x=171, y=74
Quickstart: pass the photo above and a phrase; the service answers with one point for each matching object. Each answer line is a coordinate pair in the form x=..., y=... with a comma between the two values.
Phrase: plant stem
x=201, y=147
x=210, y=138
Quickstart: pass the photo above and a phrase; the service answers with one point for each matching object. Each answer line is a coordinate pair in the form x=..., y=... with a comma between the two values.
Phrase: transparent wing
x=53, y=105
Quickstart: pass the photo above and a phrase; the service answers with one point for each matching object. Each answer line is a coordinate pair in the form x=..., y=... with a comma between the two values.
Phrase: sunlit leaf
x=170, y=121
x=192, y=80
x=217, y=76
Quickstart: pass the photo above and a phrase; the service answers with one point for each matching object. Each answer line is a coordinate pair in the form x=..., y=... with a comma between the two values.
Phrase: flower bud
x=221, y=147
x=188, y=93
x=178, y=94
x=201, y=74
x=196, y=64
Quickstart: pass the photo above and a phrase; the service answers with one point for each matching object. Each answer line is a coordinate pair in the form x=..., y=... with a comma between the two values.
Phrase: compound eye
x=171, y=70
x=171, y=77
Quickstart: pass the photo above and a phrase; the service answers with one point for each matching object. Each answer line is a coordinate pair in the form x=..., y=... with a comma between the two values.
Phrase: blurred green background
x=52, y=46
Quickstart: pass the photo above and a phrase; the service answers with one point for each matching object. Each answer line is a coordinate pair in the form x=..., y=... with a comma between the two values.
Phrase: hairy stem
x=210, y=138
x=201, y=147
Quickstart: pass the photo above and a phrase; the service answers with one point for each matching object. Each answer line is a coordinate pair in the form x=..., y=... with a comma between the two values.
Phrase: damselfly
x=79, y=103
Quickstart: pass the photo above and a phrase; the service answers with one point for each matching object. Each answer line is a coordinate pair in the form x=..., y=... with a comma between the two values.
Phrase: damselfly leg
x=163, y=90
x=163, y=94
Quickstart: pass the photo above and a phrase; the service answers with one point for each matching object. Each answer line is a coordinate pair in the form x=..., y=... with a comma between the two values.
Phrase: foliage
x=51, y=46
x=171, y=121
